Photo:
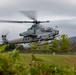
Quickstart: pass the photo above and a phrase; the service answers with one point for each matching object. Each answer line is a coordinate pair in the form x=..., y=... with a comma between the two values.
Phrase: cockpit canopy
x=35, y=27
x=49, y=29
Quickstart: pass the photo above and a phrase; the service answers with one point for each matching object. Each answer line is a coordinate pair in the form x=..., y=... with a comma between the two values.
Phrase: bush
x=11, y=63
x=10, y=47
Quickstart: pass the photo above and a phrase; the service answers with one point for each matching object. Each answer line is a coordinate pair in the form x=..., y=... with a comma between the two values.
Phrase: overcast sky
x=61, y=13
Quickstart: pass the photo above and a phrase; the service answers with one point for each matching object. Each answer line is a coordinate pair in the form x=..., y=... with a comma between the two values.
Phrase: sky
x=61, y=13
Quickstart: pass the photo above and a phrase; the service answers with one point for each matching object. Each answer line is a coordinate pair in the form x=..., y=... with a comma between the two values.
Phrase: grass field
x=60, y=60
x=36, y=64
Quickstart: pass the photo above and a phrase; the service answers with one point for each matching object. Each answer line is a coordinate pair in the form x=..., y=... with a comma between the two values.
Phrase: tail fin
x=4, y=39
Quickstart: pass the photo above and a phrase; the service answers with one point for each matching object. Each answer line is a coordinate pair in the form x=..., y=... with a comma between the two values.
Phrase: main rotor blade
x=30, y=14
x=8, y=21
x=44, y=21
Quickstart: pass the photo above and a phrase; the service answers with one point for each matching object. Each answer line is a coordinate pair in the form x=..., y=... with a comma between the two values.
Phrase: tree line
x=61, y=44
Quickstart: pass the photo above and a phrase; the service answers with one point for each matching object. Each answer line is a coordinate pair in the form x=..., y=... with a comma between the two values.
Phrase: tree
x=10, y=47
x=44, y=46
x=61, y=45
x=55, y=45
x=64, y=43
x=34, y=46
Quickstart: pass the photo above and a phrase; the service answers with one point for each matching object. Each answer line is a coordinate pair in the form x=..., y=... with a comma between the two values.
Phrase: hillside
x=72, y=39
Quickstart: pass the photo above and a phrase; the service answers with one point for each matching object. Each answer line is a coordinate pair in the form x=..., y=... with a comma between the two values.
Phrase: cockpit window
x=35, y=27
x=49, y=29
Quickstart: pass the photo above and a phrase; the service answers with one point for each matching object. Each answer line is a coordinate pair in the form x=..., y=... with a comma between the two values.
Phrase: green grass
x=60, y=60
x=2, y=47
x=37, y=64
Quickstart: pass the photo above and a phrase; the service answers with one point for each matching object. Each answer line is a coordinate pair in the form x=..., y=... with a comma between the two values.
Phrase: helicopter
x=35, y=33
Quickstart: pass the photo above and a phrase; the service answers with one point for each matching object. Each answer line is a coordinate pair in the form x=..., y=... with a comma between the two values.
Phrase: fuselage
x=34, y=34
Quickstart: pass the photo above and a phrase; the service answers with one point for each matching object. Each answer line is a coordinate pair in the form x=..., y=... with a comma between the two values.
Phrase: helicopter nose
x=57, y=32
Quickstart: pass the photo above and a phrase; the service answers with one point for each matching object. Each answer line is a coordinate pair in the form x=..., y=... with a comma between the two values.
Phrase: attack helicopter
x=35, y=33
